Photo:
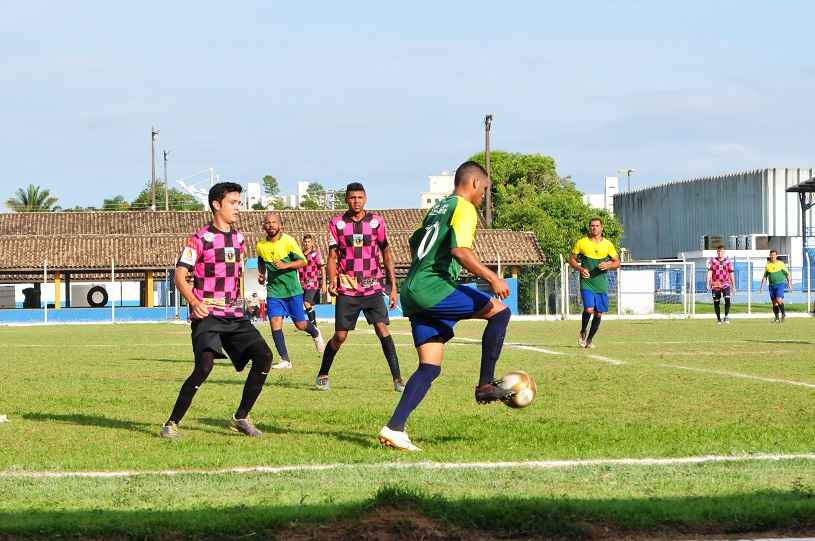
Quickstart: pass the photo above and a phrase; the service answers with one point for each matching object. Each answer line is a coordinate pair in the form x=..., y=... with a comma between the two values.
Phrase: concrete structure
x=749, y=210
x=439, y=187
x=605, y=200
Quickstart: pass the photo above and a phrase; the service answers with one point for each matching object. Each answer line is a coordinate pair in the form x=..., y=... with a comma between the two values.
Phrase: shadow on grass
x=474, y=518
x=781, y=341
x=101, y=422
x=362, y=440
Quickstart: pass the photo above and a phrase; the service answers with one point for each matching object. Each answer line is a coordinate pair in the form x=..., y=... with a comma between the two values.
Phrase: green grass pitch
x=92, y=399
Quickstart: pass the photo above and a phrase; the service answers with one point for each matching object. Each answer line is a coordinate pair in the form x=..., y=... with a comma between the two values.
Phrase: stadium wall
x=665, y=220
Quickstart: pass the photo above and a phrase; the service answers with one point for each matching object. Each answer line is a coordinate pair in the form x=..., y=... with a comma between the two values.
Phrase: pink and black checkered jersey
x=214, y=257
x=358, y=245
x=720, y=271
x=310, y=275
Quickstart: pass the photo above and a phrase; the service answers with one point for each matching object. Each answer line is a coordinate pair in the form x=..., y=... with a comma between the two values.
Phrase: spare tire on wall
x=97, y=297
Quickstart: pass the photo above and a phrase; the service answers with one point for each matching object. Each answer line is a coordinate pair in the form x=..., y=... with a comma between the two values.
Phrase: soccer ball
x=523, y=387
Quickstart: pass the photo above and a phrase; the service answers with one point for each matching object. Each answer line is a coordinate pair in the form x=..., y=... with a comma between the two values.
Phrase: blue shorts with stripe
x=438, y=321
x=288, y=307
x=597, y=301
x=777, y=291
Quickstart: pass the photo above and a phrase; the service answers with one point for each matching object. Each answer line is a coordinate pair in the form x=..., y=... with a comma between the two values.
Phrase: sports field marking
x=739, y=375
x=532, y=464
x=613, y=362
x=514, y=345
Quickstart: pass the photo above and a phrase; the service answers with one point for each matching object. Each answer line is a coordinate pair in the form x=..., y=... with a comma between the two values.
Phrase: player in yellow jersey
x=776, y=274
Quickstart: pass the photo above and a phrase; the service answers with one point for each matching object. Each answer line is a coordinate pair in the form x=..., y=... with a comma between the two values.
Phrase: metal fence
x=668, y=288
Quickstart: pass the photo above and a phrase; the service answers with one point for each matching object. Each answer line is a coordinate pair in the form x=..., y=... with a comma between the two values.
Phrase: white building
x=604, y=200
x=439, y=187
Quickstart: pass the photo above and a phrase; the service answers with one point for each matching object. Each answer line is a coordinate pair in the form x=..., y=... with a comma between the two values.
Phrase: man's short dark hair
x=719, y=247
x=219, y=191
x=774, y=252
x=467, y=169
x=596, y=219
x=308, y=236
x=354, y=187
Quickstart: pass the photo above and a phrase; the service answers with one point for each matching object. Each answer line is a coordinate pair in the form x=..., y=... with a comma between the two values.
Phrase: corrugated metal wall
x=664, y=220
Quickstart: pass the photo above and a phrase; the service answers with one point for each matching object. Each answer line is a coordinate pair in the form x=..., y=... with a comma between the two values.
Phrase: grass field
x=92, y=399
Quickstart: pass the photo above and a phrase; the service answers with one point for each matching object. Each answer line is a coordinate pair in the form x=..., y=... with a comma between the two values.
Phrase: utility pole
x=166, y=183
x=153, y=134
x=628, y=174
x=487, y=129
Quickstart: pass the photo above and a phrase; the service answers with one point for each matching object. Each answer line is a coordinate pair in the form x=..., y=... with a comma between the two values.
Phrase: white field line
x=534, y=465
x=514, y=345
x=613, y=362
x=739, y=375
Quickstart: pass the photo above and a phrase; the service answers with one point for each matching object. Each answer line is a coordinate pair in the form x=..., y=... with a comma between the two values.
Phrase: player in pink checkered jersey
x=312, y=277
x=720, y=278
x=356, y=239
x=214, y=256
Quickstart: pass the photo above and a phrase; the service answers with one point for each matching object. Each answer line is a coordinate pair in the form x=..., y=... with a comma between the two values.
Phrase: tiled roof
x=152, y=240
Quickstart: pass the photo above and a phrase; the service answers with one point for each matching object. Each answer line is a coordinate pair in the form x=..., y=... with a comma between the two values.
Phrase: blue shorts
x=597, y=301
x=289, y=307
x=438, y=321
x=777, y=292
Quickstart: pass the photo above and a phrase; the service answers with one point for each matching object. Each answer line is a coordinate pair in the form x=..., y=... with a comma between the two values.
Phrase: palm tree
x=32, y=199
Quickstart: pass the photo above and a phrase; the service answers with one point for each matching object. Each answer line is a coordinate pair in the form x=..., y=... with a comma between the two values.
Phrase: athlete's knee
x=300, y=325
x=381, y=330
x=430, y=371
x=261, y=357
x=598, y=315
x=502, y=317
x=588, y=310
x=339, y=338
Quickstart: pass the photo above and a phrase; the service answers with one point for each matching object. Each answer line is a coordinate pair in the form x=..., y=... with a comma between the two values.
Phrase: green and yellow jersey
x=590, y=254
x=776, y=273
x=280, y=284
x=449, y=224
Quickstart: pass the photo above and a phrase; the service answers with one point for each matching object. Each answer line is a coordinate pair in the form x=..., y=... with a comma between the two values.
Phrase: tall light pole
x=166, y=183
x=628, y=174
x=153, y=134
x=487, y=130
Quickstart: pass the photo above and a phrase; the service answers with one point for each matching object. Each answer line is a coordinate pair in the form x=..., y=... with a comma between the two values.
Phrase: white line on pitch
x=534, y=464
x=514, y=345
x=614, y=362
x=739, y=375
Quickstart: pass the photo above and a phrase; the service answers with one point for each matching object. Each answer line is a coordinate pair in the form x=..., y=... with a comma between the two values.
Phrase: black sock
x=280, y=345
x=776, y=309
x=595, y=324
x=585, y=322
x=415, y=390
x=726, y=307
x=328, y=358
x=312, y=315
x=781, y=308
x=261, y=363
x=717, y=309
x=492, y=342
x=389, y=349
x=203, y=366
x=311, y=330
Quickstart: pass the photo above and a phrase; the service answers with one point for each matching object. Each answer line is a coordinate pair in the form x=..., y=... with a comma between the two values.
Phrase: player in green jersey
x=777, y=275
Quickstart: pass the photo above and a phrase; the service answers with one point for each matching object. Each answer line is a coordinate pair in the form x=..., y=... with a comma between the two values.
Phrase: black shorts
x=216, y=334
x=311, y=296
x=348, y=309
x=719, y=293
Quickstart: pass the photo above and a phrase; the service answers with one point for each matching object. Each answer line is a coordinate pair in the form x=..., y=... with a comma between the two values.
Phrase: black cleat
x=491, y=392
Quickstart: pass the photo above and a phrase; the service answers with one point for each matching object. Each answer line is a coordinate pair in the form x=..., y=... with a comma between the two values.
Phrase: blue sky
x=389, y=95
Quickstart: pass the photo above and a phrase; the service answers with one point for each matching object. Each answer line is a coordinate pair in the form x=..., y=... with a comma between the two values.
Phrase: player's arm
x=789, y=278
x=613, y=260
x=332, y=270
x=761, y=283
x=322, y=277
x=575, y=264
x=469, y=261
x=295, y=264
x=198, y=309
x=261, y=271
x=390, y=271
x=731, y=277
x=710, y=278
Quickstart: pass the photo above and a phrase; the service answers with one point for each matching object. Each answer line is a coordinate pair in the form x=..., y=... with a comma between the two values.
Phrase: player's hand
x=604, y=265
x=261, y=279
x=332, y=290
x=500, y=288
x=199, y=310
x=324, y=291
x=584, y=273
x=394, y=296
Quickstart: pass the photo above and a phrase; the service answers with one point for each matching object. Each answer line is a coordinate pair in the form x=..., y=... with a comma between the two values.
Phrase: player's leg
x=302, y=323
x=726, y=294
x=204, y=361
x=376, y=314
x=497, y=315
x=276, y=310
x=717, y=295
x=309, y=300
x=261, y=358
x=346, y=312
x=588, y=308
x=779, y=298
x=600, y=307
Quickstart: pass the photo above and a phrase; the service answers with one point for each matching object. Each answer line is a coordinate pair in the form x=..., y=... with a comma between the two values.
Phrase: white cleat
x=319, y=345
x=581, y=340
x=282, y=365
x=396, y=439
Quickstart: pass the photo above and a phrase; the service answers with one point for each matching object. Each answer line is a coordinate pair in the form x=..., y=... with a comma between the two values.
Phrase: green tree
x=530, y=196
x=315, y=197
x=115, y=203
x=178, y=200
x=31, y=199
x=270, y=186
x=258, y=206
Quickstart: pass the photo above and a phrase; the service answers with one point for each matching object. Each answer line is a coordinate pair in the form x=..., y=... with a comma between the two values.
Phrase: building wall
x=662, y=221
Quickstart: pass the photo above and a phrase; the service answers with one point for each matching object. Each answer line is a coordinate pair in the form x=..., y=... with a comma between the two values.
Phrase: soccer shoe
x=719, y=322
x=776, y=320
x=581, y=339
x=245, y=426
x=170, y=431
x=727, y=321
x=396, y=440
x=282, y=365
x=588, y=345
x=491, y=392
x=319, y=345
x=398, y=385
x=322, y=383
